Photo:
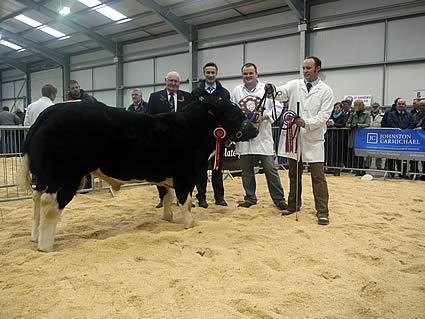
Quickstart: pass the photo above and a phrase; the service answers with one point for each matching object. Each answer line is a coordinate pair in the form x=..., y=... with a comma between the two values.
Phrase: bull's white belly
x=116, y=183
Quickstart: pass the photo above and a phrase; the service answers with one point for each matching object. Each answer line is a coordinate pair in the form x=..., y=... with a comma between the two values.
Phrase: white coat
x=315, y=108
x=34, y=110
x=263, y=143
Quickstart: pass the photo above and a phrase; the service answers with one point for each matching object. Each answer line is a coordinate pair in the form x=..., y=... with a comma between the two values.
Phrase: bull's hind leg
x=49, y=217
x=36, y=195
x=187, y=215
x=168, y=200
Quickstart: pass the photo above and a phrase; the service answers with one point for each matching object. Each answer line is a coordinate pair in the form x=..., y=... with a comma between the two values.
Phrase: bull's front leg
x=168, y=200
x=36, y=195
x=49, y=217
x=187, y=215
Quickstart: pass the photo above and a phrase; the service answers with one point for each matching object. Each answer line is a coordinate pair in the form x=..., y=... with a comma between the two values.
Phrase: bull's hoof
x=45, y=249
x=189, y=224
x=168, y=217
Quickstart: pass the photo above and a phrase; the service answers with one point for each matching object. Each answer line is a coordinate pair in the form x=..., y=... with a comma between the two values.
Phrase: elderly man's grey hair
x=139, y=91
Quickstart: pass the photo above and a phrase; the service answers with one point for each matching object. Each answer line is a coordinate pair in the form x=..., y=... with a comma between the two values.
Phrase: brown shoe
x=160, y=205
x=246, y=204
x=220, y=202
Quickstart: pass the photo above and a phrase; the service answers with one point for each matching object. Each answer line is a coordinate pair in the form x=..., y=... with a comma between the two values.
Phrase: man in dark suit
x=138, y=104
x=171, y=99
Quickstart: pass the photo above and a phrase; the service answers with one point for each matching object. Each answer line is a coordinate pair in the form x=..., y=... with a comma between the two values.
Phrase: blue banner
x=390, y=143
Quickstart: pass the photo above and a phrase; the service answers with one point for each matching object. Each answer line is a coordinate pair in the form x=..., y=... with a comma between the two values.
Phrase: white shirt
x=34, y=110
x=263, y=143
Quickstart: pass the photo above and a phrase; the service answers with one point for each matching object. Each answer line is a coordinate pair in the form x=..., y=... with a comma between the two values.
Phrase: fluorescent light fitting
x=90, y=3
x=10, y=45
x=21, y=50
x=53, y=32
x=64, y=11
x=65, y=37
x=111, y=13
x=124, y=20
x=28, y=21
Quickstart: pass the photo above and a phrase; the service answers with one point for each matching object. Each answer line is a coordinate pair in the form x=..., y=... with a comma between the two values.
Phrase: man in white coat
x=259, y=148
x=316, y=99
x=48, y=92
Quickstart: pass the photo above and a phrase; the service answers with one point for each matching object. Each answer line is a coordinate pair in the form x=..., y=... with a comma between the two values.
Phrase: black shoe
x=160, y=205
x=246, y=204
x=203, y=203
x=323, y=220
x=220, y=202
x=281, y=205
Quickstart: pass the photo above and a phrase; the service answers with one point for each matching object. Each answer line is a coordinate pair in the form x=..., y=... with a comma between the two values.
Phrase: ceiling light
x=124, y=20
x=65, y=10
x=53, y=32
x=28, y=21
x=65, y=37
x=90, y=3
x=10, y=45
x=111, y=13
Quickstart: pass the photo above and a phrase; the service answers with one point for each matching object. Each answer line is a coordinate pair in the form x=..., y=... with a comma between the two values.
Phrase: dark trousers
x=320, y=187
x=217, y=178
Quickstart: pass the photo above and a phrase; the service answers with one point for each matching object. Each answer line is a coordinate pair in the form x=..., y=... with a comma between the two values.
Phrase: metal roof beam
x=13, y=63
x=104, y=42
x=297, y=6
x=35, y=47
x=170, y=18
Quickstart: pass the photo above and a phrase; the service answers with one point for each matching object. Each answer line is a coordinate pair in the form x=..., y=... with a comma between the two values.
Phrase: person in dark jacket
x=171, y=99
x=138, y=104
x=400, y=118
x=210, y=91
x=76, y=93
x=336, y=140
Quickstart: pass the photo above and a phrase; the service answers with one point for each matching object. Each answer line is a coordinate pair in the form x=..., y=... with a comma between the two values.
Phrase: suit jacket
x=158, y=101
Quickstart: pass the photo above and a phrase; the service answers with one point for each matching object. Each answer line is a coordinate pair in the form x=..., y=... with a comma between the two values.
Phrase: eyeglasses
x=173, y=81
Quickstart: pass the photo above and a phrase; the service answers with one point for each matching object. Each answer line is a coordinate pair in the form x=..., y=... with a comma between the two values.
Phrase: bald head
x=401, y=105
x=172, y=81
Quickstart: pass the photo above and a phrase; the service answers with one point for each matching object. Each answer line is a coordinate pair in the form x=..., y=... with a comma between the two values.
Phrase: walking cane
x=297, y=177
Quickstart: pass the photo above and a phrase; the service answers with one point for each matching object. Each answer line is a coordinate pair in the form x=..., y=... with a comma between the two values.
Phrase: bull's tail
x=24, y=177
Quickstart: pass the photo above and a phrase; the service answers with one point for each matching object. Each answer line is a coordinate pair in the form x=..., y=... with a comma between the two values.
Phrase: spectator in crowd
x=336, y=143
x=415, y=107
x=9, y=118
x=48, y=95
x=20, y=114
x=358, y=119
x=376, y=117
x=259, y=148
x=384, y=122
x=421, y=125
x=76, y=93
x=210, y=91
x=138, y=104
x=316, y=106
x=171, y=99
x=400, y=118
x=7, y=137
x=347, y=105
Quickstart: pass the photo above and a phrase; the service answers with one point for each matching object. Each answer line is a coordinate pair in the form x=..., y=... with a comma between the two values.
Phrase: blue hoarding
x=390, y=143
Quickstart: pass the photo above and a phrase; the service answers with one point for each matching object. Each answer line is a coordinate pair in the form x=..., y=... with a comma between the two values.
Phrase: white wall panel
x=107, y=97
x=361, y=81
x=104, y=77
x=406, y=38
x=228, y=59
x=8, y=90
x=349, y=46
x=179, y=63
x=277, y=55
x=52, y=76
x=139, y=72
x=91, y=59
x=403, y=80
x=84, y=78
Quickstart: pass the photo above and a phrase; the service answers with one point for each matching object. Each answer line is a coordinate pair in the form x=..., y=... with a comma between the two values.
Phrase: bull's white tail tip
x=24, y=177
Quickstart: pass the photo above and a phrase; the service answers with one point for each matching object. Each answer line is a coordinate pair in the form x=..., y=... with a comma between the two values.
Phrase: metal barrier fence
x=339, y=156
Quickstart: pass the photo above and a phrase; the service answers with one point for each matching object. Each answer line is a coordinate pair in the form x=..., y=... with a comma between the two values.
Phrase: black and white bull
x=71, y=140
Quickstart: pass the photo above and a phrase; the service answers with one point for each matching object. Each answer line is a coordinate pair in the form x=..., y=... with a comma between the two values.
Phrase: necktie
x=210, y=89
x=171, y=102
x=308, y=85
